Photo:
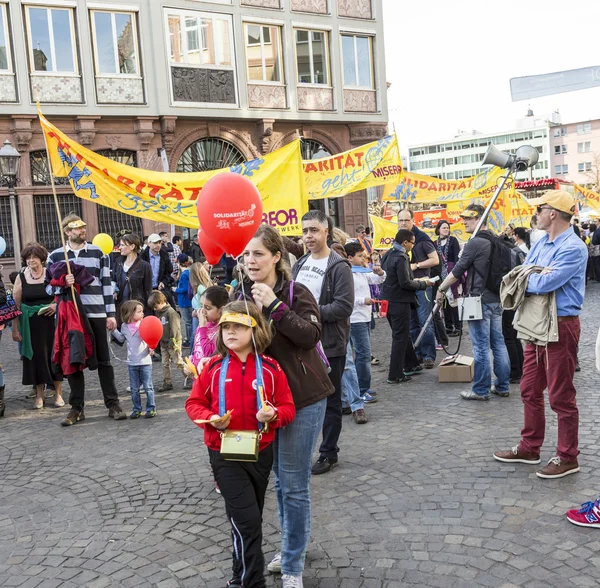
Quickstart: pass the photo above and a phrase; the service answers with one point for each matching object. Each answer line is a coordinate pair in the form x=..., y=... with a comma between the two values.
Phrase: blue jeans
x=361, y=341
x=293, y=448
x=186, y=316
x=486, y=334
x=350, y=387
x=417, y=319
x=141, y=375
x=195, y=324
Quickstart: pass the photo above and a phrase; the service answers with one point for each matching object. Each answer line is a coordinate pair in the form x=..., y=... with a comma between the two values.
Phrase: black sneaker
x=136, y=414
x=74, y=416
x=116, y=412
x=405, y=378
x=165, y=387
x=323, y=465
x=413, y=371
x=346, y=410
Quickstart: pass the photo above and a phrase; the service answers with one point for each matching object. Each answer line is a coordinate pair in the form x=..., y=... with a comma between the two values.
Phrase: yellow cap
x=469, y=214
x=558, y=199
x=238, y=317
x=78, y=224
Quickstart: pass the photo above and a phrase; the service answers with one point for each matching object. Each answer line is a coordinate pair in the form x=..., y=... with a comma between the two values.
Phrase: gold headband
x=469, y=214
x=76, y=224
x=238, y=317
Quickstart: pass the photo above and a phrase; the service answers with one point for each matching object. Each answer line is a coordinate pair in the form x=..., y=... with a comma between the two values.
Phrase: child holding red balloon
x=170, y=342
x=138, y=357
x=241, y=393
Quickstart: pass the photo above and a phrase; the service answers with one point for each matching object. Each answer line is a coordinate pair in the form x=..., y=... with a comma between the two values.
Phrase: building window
x=209, y=154
x=560, y=131
x=51, y=40
x=40, y=175
x=200, y=38
x=584, y=166
x=560, y=149
x=357, y=60
x=263, y=53
x=5, y=58
x=561, y=169
x=584, y=128
x=115, y=43
x=44, y=211
x=585, y=147
x=312, y=57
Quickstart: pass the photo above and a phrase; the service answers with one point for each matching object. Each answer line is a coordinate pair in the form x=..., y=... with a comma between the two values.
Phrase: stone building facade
x=213, y=83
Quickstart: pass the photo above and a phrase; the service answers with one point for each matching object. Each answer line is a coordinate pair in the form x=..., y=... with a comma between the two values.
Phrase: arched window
x=209, y=154
x=40, y=176
x=311, y=148
x=112, y=221
x=47, y=227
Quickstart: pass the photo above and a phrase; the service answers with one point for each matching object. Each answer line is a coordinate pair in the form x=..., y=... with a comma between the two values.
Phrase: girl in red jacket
x=226, y=396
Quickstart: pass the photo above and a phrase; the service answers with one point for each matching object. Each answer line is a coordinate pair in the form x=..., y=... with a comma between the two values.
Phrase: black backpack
x=504, y=256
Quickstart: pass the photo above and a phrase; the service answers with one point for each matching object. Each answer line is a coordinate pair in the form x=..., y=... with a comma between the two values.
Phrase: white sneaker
x=291, y=581
x=274, y=566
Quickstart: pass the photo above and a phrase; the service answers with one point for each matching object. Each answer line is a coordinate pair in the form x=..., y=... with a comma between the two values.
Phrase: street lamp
x=9, y=163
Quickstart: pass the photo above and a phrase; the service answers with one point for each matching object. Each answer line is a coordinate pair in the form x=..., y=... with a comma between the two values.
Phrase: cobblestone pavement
x=416, y=500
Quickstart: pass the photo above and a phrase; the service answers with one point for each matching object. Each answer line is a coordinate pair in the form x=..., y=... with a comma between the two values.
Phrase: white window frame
x=313, y=84
x=48, y=9
x=214, y=17
x=558, y=170
x=261, y=25
x=7, y=37
x=581, y=167
x=354, y=35
x=113, y=14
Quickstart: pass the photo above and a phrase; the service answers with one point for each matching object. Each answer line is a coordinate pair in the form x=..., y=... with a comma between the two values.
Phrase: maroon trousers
x=552, y=367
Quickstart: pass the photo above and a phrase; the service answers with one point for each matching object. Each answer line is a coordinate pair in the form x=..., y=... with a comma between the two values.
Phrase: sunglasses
x=540, y=208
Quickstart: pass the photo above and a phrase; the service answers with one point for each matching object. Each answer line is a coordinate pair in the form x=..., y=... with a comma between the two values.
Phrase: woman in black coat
x=399, y=289
x=132, y=275
x=448, y=249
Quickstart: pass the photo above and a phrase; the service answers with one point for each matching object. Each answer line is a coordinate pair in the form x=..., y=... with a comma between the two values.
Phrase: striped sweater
x=97, y=298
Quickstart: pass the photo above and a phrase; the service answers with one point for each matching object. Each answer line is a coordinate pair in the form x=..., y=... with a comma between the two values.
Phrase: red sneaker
x=587, y=516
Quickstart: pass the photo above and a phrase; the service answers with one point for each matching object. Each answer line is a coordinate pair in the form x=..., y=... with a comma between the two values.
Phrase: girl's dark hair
x=440, y=225
x=262, y=332
x=273, y=243
x=36, y=250
x=404, y=235
x=523, y=234
x=128, y=310
x=217, y=296
x=593, y=228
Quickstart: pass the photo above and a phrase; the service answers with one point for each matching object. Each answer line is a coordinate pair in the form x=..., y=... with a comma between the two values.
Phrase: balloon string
x=247, y=308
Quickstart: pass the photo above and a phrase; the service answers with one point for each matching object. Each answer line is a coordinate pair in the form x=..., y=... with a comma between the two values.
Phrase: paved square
x=416, y=500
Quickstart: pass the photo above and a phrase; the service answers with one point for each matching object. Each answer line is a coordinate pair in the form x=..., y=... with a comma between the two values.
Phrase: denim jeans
x=186, y=316
x=361, y=341
x=141, y=375
x=350, y=387
x=486, y=334
x=426, y=350
x=293, y=448
x=195, y=325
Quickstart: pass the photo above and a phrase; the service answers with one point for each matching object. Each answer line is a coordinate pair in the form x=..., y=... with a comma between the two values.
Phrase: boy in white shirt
x=360, y=321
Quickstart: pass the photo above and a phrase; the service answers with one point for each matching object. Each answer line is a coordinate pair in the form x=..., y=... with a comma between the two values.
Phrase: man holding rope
x=99, y=306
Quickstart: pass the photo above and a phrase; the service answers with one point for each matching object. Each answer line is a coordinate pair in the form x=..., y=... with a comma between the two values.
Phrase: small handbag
x=9, y=311
x=240, y=445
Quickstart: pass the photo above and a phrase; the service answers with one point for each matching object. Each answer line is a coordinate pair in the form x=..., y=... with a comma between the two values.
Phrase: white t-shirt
x=311, y=275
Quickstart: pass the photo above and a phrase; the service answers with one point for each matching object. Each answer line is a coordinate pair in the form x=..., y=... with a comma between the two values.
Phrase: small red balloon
x=211, y=250
x=151, y=331
x=230, y=211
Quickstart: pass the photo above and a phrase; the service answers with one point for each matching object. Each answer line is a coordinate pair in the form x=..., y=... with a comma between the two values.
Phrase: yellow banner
x=171, y=198
x=373, y=164
x=586, y=197
x=415, y=188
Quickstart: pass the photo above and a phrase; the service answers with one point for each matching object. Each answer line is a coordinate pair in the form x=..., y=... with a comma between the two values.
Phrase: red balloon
x=151, y=331
x=211, y=250
x=230, y=211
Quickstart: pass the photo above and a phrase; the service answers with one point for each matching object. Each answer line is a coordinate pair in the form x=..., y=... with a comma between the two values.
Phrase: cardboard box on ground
x=456, y=368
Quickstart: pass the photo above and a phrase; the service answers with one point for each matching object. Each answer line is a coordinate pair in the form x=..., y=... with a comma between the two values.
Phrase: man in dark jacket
x=329, y=277
x=195, y=252
x=400, y=289
x=161, y=266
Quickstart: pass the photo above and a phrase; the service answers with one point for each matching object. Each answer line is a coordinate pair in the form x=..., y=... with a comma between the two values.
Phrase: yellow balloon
x=104, y=242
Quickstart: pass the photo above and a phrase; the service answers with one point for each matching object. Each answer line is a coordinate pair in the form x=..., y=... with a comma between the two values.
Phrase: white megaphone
x=525, y=156
x=493, y=156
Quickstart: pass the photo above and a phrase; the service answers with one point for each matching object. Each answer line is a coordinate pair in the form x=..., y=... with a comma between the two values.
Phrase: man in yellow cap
x=564, y=256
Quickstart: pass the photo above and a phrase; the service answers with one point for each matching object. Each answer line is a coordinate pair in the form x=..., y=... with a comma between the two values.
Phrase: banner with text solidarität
x=586, y=197
x=415, y=188
x=373, y=164
x=171, y=198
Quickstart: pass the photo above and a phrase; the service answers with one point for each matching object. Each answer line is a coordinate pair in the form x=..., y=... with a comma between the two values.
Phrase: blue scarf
x=359, y=269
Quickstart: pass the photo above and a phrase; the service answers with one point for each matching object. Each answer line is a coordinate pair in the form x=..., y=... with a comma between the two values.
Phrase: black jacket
x=399, y=285
x=139, y=278
x=296, y=332
x=195, y=252
x=2, y=292
x=336, y=303
x=165, y=269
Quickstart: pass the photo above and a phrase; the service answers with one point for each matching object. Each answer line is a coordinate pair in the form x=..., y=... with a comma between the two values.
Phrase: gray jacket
x=475, y=260
x=138, y=352
x=336, y=303
x=536, y=320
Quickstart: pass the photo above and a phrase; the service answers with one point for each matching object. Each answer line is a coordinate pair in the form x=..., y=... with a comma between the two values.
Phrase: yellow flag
x=373, y=164
x=171, y=198
x=586, y=197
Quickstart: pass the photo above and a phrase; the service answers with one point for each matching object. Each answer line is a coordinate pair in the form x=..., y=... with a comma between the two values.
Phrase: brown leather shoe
x=116, y=412
x=74, y=416
x=557, y=468
x=515, y=455
x=360, y=416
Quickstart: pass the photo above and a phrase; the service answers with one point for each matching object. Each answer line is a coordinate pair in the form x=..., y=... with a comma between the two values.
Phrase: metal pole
x=15, y=224
x=481, y=222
